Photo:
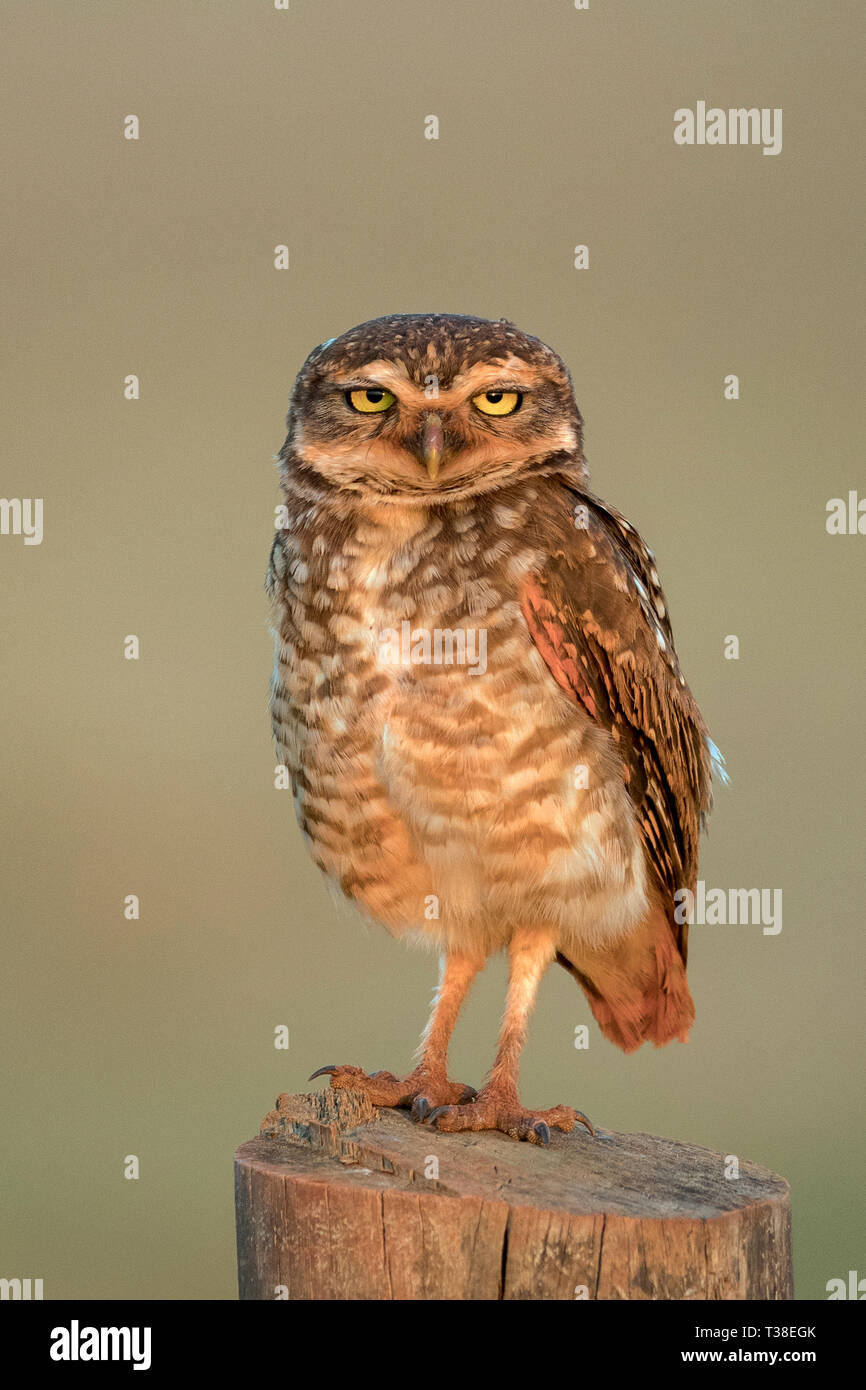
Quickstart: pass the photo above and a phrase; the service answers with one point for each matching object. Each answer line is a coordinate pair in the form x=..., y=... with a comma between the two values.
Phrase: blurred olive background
x=155, y=777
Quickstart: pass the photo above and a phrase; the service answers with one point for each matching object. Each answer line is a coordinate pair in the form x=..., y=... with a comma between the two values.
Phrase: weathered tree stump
x=337, y=1200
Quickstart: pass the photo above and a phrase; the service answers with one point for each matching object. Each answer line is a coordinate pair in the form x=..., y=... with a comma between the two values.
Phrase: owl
x=491, y=743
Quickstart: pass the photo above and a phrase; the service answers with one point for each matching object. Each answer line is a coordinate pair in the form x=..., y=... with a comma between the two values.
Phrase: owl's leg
x=427, y=1085
x=497, y=1105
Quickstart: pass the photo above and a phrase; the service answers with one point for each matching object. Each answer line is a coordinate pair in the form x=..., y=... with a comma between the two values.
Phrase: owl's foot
x=422, y=1090
x=496, y=1109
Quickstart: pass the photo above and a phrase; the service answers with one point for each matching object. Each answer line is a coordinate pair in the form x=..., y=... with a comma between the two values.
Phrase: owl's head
x=430, y=406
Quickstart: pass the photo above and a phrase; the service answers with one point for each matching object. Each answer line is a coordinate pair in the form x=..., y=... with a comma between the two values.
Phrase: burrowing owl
x=477, y=694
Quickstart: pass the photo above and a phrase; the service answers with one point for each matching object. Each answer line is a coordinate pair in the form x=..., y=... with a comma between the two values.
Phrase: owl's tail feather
x=637, y=988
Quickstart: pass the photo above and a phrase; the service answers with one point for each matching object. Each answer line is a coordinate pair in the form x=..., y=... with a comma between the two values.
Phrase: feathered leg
x=497, y=1105
x=427, y=1085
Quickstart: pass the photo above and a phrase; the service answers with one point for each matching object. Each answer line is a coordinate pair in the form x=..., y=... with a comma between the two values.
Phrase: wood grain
x=336, y=1200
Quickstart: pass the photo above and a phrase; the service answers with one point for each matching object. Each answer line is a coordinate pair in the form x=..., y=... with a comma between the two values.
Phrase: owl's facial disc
x=382, y=428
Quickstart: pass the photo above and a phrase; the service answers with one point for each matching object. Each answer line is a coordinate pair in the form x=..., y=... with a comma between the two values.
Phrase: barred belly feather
x=449, y=803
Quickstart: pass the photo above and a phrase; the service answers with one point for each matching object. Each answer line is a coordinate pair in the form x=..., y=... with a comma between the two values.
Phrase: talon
x=542, y=1133
x=440, y=1110
x=331, y=1071
x=420, y=1108
x=581, y=1119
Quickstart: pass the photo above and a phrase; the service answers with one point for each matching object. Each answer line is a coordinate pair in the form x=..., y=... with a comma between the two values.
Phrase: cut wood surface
x=337, y=1200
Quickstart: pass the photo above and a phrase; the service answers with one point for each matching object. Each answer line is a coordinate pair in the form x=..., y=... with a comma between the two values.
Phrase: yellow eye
x=371, y=400
x=497, y=402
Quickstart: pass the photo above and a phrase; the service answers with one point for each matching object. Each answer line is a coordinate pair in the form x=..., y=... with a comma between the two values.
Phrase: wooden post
x=336, y=1200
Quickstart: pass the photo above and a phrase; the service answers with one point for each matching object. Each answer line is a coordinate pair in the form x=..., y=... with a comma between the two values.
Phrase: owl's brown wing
x=598, y=616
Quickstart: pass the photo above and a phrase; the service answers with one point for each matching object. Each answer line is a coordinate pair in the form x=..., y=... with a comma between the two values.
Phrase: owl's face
x=420, y=406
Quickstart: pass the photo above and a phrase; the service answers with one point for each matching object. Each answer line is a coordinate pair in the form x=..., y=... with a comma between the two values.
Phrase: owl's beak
x=432, y=445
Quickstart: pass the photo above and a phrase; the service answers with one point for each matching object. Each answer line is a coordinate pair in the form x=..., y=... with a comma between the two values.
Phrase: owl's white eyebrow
x=369, y=383
x=361, y=383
